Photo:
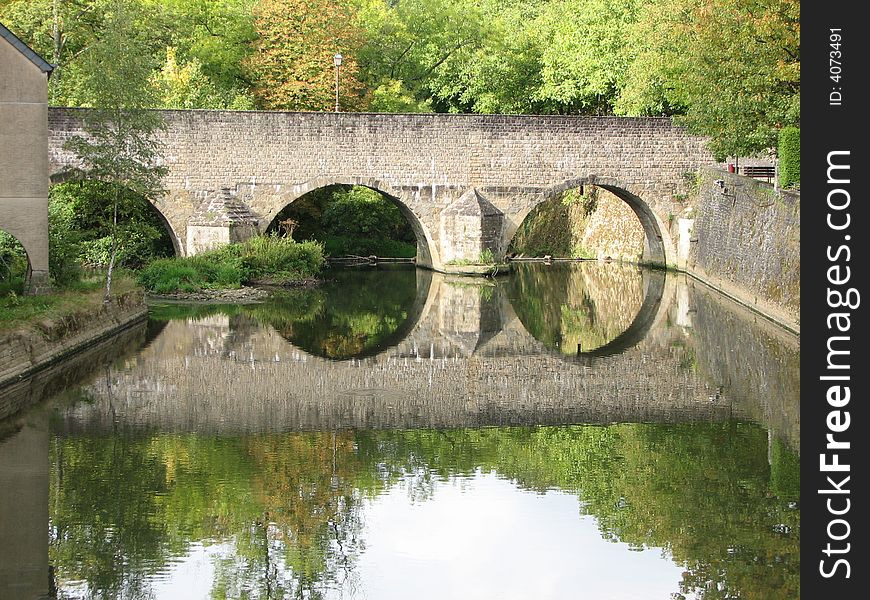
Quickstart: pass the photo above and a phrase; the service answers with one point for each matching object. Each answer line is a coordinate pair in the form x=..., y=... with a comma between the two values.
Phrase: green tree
x=86, y=214
x=184, y=84
x=218, y=35
x=210, y=38
x=413, y=47
x=583, y=53
x=60, y=32
x=731, y=67
x=119, y=148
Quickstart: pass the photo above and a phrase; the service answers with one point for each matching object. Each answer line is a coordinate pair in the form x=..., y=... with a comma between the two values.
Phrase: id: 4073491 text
x=835, y=66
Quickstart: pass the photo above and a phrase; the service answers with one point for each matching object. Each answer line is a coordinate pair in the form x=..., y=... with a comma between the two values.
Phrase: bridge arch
x=427, y=250
x=159, y=207
x=658, y=244
x=9, y=255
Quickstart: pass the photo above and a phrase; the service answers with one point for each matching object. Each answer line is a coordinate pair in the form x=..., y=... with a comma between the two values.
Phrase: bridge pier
x=219, y=220
x=470, y=230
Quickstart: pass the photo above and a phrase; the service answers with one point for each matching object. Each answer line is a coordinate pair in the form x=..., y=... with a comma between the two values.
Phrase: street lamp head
x=337, y=59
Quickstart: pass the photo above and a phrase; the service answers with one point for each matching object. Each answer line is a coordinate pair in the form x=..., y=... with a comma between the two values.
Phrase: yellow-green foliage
x=789, y=157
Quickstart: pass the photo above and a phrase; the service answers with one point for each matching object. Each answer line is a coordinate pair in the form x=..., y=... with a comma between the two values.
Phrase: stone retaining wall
x=26, y=350
x=744, y=239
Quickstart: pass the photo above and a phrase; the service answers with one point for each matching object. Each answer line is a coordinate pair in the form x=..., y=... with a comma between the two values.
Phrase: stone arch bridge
x=464, y=182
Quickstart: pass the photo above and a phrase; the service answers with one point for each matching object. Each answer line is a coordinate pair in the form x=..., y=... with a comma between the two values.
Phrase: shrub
x=166, y=275
x=13, y=265
x=228, y=267
x=276, y=257
x=86, y=210
x=789, y=152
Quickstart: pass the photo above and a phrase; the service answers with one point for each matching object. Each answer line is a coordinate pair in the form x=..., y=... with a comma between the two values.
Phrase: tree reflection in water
x=289, y=507
x=569, y=305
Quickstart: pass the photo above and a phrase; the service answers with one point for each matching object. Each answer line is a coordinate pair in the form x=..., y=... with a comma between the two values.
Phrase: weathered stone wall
x=21, y=393
x=426, y=161
x=745, y=240
x=607, y=228
x=759, y=368
x=23, y=158
x=613, y=230
x=24, y=350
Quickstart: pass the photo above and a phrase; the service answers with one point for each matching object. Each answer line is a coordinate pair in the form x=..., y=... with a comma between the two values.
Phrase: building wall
x=24, y=157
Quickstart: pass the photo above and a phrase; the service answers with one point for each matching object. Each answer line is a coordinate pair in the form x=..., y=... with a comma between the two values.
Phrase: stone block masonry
x=745, y=240
x=425, y=162
x=23, y=159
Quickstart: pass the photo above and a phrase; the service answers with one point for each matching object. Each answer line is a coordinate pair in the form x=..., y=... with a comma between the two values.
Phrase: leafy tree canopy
x=728, y=69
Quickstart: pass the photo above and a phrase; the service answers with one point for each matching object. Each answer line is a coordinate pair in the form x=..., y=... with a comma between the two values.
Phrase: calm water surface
x=570, y=431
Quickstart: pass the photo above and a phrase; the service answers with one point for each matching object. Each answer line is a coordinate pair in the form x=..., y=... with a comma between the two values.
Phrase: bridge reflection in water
x=413, y=350
x=463, y=356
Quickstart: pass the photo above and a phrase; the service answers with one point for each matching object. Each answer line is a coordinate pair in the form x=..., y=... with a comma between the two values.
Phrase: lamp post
x=337, y=60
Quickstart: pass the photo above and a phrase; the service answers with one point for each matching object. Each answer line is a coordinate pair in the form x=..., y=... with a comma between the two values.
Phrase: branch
x=399, y=59
x=440, y=61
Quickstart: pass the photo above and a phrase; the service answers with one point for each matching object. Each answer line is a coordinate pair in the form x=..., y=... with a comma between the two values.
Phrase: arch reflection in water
x=355, y=313
x=584, y=310
x=587, y=309
x=466, y=361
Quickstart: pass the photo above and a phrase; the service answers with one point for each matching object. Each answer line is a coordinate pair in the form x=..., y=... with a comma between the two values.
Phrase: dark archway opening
x=14, y=265
x=81, y=223
x=586, y=221
x=350, y=220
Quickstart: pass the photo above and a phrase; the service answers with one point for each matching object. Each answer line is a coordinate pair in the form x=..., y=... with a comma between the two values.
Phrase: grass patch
x=17, y=310
x=273, y=258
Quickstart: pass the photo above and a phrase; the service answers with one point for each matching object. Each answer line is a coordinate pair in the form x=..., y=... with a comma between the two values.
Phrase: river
x=575, y=430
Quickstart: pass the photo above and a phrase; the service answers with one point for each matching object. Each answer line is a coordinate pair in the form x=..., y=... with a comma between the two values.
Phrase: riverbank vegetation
x=729, y=69
x=269, y=259
x=84, y=294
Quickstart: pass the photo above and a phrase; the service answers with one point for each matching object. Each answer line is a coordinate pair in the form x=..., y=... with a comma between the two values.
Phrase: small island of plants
x=269, y=259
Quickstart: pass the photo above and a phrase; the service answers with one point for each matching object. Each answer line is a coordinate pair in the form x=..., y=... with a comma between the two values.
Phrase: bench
x=766, y=172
